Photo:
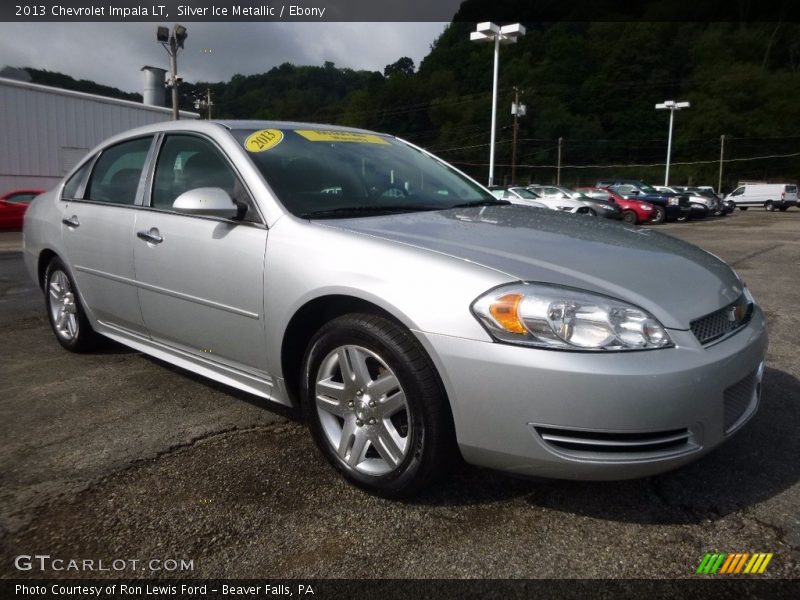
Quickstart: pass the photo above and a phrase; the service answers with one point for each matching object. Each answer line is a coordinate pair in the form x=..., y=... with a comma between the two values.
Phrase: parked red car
x=13, y=206
x=634, y=212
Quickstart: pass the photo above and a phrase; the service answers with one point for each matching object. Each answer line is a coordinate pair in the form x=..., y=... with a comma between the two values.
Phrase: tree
x=403, y=66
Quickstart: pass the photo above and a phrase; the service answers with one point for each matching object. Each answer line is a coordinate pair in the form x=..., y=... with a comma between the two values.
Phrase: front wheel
x=375, y=405
x=629, y=217
x=659, y=215
x=743, y=207
x=67, y=317
x=783, y=208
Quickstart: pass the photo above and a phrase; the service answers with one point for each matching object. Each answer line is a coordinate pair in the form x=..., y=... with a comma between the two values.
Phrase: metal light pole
x=518, y=110
x=672, y=106
x=507, y=34
x=721, y=160
x=173, y=43
x=558, y=168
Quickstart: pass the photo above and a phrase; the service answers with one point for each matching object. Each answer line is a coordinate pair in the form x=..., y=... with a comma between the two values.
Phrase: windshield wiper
x=363, y=210
x=487, y=202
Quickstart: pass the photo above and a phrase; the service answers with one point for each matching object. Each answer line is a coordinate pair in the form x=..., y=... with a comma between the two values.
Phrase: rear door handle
x=71, y=222
x=151, y=237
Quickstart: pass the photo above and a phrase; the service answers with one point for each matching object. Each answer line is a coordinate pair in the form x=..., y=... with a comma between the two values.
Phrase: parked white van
x=771, y=196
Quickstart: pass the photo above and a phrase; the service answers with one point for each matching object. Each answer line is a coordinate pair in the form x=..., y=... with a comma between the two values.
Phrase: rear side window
x=74, y=182
x=116, y=174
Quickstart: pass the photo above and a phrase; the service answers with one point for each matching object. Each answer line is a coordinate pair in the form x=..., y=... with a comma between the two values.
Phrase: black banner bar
x=397, y=10
x=735, y=588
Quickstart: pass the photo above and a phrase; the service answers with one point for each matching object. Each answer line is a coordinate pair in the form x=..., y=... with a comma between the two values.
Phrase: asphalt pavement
x=115, y=455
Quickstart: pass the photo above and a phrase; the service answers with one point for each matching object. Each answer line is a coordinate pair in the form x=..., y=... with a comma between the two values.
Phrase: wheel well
x=306, y=322
x=44, y=259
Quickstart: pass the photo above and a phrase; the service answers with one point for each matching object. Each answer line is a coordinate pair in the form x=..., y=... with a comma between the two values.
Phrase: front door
x=201, y=279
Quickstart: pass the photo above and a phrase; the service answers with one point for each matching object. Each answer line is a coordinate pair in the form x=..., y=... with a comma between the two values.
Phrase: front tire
x=375, y=405
x=65, y=312
x=660, y=215
x=630, y=217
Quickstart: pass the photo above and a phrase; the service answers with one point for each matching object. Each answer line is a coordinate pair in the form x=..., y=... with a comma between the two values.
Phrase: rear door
x=98, y=232
x=201, y=283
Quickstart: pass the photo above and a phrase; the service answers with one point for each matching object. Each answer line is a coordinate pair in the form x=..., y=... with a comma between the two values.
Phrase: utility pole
x=671, y=106
x=721, y=160
x=558, y=169
x=518, y=110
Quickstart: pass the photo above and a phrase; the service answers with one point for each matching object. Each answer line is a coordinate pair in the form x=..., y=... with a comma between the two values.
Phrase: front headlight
x=550, y=316
x=644, y=206
x=673, y=201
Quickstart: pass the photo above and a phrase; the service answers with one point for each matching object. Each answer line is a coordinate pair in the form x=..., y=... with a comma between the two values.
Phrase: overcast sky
x=113, y=53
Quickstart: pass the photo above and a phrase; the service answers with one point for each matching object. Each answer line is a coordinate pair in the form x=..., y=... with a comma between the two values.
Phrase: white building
x=45, y=131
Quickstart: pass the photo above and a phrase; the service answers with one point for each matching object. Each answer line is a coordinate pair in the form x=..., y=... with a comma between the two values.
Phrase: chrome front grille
x=740, y=400
x=722, y=322
x=602, y=445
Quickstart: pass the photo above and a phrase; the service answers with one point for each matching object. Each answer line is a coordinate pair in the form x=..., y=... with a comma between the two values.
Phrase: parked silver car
x=409, y=313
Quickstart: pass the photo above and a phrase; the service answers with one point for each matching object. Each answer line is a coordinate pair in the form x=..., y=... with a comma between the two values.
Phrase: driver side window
x=738, y=192
x=187, y=162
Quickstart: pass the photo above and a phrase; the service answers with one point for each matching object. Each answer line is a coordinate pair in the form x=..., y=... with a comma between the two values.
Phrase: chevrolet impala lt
x=412, y=316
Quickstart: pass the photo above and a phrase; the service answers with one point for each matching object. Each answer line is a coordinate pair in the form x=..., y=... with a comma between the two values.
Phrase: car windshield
x=524, y=193
x=330, y=173
x=647, y=189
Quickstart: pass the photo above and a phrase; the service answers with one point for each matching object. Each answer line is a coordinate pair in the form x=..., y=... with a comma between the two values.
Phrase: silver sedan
x=412, y=316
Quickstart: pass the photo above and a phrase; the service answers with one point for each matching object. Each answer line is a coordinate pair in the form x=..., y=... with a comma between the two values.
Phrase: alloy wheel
x=363, y=410
x=63, y=310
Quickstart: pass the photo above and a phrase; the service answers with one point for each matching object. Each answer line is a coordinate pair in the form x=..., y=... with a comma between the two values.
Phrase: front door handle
x=71, y=222
x=151, y=237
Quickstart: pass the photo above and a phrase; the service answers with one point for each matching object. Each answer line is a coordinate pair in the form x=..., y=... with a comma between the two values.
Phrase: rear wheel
x=375, y=405
x=630, y=217
x=67, y=317
x=769, y=206
x=659, y=214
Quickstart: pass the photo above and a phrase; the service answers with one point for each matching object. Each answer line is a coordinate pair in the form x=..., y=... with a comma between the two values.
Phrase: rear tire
x=769, y=206
x=65, y=312
x=630, y=217
x=375, y=405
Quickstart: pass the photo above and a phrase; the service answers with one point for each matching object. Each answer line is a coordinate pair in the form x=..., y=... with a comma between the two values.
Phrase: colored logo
x=734, y=563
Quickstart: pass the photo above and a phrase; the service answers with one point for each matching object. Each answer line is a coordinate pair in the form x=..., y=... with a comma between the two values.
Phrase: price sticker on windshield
x=315, y=135
x=263, y=140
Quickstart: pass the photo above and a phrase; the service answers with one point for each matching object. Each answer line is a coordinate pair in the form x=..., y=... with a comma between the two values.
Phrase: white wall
x=45, y=131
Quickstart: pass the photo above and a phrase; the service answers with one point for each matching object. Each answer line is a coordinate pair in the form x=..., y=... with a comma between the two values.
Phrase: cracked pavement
x=116, y=455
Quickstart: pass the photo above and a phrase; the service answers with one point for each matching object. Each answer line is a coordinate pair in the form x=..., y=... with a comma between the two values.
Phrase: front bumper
x=675, y=211
x=589, y=416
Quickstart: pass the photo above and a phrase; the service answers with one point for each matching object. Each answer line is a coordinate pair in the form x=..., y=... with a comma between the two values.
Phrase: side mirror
x=209, y=202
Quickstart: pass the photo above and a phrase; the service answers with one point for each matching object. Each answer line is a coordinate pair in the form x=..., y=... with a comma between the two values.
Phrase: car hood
x=674, y=280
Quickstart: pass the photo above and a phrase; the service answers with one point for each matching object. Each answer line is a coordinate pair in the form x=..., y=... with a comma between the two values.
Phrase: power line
x=621, y=166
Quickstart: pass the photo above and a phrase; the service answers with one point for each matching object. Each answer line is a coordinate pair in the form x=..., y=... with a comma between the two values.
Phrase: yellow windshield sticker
x=263, y=140
x=315, y=135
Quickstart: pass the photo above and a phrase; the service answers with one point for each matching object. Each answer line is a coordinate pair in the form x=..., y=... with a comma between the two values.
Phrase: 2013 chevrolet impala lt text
x=413, y=316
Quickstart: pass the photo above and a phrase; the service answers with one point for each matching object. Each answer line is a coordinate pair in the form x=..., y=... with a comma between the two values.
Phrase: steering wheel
x=390, y=191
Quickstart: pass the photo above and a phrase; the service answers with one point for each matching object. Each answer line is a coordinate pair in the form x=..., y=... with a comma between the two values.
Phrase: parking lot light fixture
x=671, y=106
x=507, y=34
x=173, y=43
